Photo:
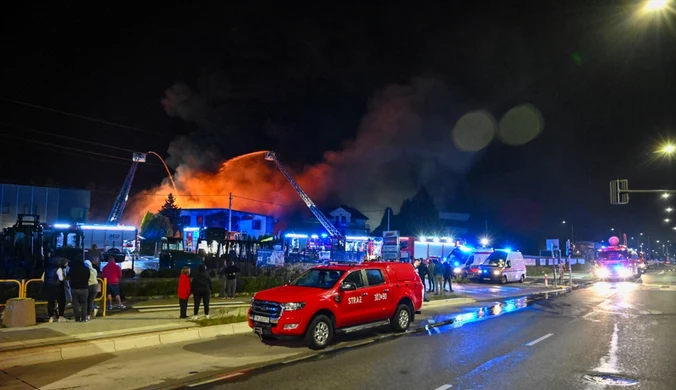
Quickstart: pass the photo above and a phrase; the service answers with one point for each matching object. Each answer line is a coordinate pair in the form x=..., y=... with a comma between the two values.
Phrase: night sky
x=383, y=87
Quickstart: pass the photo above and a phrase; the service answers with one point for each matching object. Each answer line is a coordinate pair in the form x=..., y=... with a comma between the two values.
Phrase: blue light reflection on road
x=496, y=309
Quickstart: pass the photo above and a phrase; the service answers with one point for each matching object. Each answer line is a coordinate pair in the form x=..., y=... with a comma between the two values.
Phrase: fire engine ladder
x=121, y=200
x=332, y=230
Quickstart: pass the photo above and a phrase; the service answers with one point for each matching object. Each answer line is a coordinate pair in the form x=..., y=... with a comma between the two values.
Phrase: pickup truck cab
x=338, y=298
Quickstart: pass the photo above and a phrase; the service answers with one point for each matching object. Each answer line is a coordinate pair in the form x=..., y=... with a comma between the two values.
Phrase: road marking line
x=588, y=314
x=548, y=335
x=444, y=387
x=219, y=378
x=436, y=330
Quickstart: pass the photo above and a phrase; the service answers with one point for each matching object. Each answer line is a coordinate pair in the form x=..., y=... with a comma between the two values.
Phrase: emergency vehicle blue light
x=191, y=229
x=465, y=248
x=508, y=250
x=294, y=235
x=324, y=235
x=466, y=317
x=61, y=225
x=509, y=307
x=457, y=263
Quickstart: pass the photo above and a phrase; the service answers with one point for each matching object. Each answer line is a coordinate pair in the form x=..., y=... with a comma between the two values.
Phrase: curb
x=52, y=353
x=448, y=302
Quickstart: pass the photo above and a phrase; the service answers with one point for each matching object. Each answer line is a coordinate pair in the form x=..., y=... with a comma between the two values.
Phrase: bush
x=152, y=286
x=128, y=273
x=149, y=273
x=168, y=273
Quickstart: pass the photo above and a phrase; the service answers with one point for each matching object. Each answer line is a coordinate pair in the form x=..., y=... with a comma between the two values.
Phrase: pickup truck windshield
x=318, y=278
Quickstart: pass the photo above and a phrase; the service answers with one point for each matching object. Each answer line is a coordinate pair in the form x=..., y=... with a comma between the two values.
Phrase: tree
x=416, y=215
x=172, y=212
x=155, y=226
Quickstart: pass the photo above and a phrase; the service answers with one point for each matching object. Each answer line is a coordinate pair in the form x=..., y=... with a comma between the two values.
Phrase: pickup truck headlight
x=291, y=306
x=457, y=270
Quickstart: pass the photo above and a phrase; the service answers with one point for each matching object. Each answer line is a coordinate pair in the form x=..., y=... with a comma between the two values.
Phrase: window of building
x=375, y=277
x=355, y=277
x=256, y=224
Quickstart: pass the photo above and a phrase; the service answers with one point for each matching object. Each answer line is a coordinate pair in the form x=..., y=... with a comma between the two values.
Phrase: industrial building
x=51, y=204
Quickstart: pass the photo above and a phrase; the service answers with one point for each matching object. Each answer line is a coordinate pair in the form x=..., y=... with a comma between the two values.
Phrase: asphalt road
x=608, y=332
x=621, y=329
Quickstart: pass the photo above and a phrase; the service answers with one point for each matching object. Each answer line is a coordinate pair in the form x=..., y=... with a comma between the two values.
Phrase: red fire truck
x=615, y=262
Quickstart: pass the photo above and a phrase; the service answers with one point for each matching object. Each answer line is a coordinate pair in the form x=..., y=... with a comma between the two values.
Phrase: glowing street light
x=666, y=220
x=484, y=241
x=669, y=209
x=656, y=5
x=665, y=195
x=667, y=149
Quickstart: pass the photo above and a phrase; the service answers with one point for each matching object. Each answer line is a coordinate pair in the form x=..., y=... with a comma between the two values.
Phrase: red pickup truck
x=338, y=298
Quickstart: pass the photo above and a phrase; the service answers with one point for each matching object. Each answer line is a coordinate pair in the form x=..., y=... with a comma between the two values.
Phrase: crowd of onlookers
x=435, y=274
x=76, y=282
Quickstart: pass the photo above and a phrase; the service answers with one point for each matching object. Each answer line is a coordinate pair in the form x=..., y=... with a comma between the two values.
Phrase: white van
x=503, y=265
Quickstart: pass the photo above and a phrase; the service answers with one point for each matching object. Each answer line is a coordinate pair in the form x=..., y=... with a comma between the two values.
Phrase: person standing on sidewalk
x=231, y=272
x=417, y=264
x=54, y=288
x=221, y=275
x=93, y=288
x=448, y=272
x=184, y=292
x=423, y=271
x=438, y=277
x=201, y=291
x=79, y=288
x=430, y=276
x=113, y=273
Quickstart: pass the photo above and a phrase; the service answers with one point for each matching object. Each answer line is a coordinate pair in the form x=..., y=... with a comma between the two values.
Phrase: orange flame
x=256, y=185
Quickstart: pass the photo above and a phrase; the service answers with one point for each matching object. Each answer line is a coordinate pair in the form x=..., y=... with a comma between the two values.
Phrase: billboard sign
x=390, y=249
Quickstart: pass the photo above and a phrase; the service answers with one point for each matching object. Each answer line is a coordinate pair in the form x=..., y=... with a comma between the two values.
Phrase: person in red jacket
x=113, y=273
x=184, y=291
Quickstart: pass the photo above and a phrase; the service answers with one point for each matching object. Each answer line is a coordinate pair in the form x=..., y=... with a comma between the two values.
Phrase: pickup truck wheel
x=319, y=333
x=402, y=318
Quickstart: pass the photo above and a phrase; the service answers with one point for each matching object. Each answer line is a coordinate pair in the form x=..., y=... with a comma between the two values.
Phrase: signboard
x=270, y=258
x=553, y=244
x=390, y=249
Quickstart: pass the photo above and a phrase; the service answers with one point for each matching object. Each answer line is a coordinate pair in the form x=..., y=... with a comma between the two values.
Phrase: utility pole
x=230, y=214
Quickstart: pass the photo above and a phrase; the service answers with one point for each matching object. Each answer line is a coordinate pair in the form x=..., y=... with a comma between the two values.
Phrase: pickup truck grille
x=266, y=308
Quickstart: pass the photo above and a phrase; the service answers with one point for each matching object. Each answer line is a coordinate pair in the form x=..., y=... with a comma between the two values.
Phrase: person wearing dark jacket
x=79, y=286
x=423, y=271
x=201, y=290
x=54, y=287
x=448, y=272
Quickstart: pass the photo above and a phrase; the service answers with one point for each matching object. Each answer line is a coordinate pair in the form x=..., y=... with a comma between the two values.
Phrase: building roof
x=221, y=210
x=354, y=213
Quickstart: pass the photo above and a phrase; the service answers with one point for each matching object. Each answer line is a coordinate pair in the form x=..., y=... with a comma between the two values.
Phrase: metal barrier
x=23, y=290
x=19, y=283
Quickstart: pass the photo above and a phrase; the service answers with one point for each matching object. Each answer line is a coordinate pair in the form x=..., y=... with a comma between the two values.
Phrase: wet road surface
x=609, y=333
x=568, y=342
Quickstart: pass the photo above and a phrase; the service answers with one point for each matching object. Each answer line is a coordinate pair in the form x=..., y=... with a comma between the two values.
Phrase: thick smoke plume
x=404, y=141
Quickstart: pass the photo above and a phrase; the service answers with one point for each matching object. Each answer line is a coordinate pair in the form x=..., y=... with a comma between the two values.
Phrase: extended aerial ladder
x=121, y=200
x=332, y=230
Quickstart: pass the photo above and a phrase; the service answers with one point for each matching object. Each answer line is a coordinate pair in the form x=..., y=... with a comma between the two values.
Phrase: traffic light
x=618, y=191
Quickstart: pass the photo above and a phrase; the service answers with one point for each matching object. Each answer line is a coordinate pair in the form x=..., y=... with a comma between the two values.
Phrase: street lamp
x=665, y=195
x=656, y=5
x=666, y=220
x=669, y=209
x=612, y=229
x=484, y=241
